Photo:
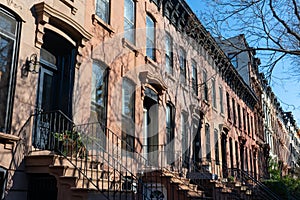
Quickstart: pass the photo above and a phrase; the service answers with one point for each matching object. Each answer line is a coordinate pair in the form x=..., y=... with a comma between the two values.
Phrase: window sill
x=98, y=20
x=130, y=46
x=8, y=138
x=170, y=76
x=148, y=60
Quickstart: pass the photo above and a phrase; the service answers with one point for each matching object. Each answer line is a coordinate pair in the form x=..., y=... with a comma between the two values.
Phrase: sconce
x=32, y=65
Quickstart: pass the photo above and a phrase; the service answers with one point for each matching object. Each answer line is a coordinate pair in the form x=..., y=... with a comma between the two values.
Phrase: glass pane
x=47, y=92
x=102, y=9
x=129, y=10
x=128, y=99
x=6, y=53
x=98, y=85
x=7, y=24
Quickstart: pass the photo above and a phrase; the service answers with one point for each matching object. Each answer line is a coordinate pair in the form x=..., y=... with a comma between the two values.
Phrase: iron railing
x=257, y=187
x=104, y=160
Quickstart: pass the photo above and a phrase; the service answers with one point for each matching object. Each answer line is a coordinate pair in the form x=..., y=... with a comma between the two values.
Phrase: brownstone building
x=123, y=99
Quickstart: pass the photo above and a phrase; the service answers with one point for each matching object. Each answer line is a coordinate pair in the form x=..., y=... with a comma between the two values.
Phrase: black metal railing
x=257, y=187
x=103, y=159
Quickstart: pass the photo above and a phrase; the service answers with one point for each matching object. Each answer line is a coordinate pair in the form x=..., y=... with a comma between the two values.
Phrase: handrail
x=57, y=132
x=140, y=157
x=263, y=188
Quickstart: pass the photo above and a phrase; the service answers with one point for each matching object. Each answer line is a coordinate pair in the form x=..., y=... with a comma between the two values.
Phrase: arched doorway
x=55, y=86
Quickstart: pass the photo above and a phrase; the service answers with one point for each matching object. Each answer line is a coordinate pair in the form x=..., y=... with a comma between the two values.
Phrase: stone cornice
x=194, y=28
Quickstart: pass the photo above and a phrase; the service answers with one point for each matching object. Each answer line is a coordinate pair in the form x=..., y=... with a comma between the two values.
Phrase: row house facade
x=280, y=130
x=122, y=100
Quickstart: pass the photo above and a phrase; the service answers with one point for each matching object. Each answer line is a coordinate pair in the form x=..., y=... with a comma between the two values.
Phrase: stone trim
x=48, y=15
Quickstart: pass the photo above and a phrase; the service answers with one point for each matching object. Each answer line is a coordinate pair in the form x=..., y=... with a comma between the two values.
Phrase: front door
x=150, y=146
x=45, y=103
x=55, y=88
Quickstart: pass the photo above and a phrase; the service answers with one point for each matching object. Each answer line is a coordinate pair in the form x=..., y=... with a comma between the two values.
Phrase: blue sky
x=284, y=87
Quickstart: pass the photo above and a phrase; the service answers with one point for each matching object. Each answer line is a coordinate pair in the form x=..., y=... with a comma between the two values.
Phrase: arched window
x=99, y=92
x=9, y=39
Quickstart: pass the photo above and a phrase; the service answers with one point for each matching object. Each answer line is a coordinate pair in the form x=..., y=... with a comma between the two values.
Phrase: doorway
x=55, y=86
x=42, y=186
x=150, y=126
x=224, y=155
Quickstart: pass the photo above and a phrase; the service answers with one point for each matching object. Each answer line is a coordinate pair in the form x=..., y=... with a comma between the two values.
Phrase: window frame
x=169, y=54
x=15, y=37
x=107, y=10
x=207, y=142
x=128, y=121
x=213, y=93
x=182, y=65
x=205, y=85
x=194, y=77
x=104, y=79
x=184, y=138
x=150, y=50
x=221, y=99
x=217, y=156
x=129, y=34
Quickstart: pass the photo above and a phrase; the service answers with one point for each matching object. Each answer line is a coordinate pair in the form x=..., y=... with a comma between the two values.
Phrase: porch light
x=32, y=65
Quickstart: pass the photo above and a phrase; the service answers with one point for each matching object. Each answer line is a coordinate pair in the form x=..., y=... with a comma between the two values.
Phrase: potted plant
x=69, y=143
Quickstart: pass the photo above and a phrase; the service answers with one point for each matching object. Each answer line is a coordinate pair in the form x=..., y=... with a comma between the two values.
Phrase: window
x=184, y=136
x=169, y=54
x=216, y=135
x=244, y=119
x=237, y=155
x=128, y=119
x=239, y=115
x=102, y=10
x=233, y=59
x=233, y=111
x=221, y=99
x=129, y=21
x=9, y=35
x=248, y=123
x=99, y=93
x=150, y=35
x=182, y=65
x=194, y=77
x=128, y=99
x=205, y=86
x=214, y=98
x=228, y=105
x=207, y=138
x=170, y=125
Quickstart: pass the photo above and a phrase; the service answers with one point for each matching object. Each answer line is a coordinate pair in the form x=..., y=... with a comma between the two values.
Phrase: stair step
x=101, y=184
x=39, y=160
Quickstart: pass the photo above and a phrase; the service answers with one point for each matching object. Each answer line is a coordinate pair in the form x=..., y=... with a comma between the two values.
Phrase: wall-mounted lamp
x=32, y=65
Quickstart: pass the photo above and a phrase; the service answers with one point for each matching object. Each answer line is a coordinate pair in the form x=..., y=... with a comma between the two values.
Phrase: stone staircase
x=100, y=183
